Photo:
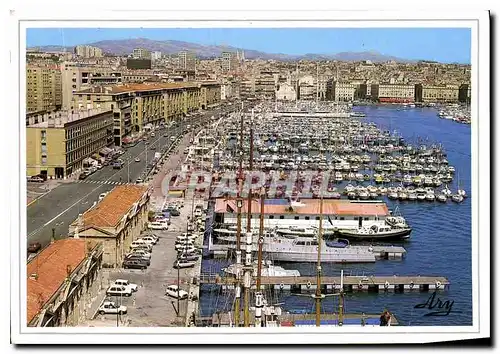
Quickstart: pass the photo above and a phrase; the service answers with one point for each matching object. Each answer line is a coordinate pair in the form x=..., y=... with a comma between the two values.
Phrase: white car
x=141, y=252
x=149, y=240
x=175, y=292
x=183, y=244
x=185, y=237
x=109, y=307
x=137, y=159
x=155, y=225
x=118, y=290
x=198, y=213
x=126, y=283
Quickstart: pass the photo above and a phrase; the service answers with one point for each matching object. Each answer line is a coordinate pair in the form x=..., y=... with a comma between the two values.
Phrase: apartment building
x=86, y=51
x=210, y=94
x=229, y=62
x=156, y=55
x=135, y=106
x=265, y=85
x=43, y=88
x=436, y=93
x=393, y=93
x=63, y=279
x=341, y=91
x=76, y=77
x=116, y=221
x=58, y=145
x=186, y=60
x=141, y=53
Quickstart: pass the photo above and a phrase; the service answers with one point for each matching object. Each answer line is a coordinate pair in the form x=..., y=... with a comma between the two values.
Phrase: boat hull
x=397, y=235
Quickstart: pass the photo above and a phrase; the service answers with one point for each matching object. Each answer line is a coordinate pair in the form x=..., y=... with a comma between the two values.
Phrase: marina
x=286, y=216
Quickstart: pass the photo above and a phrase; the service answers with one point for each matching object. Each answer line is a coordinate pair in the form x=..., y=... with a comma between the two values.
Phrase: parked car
x=172, y=210
x=118, y=290
x=127, y=284
x=175, y=292
x=109, y=307
x=141, y=252
x=137, y=159
x=156, y=225
x=138, y=257
x=145, y=247
x=36, y=179
x=134, y=264
x=150, y=234
x=83, y=175
x=139, y=180
x=149, y=239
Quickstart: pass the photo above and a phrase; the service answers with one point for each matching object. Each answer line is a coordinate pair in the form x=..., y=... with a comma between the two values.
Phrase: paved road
x=62, y=205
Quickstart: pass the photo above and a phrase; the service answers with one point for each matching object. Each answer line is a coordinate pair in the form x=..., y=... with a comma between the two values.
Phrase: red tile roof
x=309, y=207
x=114, y=206
x=51, y=267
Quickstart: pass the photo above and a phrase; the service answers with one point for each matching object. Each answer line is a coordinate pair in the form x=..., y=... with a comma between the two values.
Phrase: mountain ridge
x=126, y=46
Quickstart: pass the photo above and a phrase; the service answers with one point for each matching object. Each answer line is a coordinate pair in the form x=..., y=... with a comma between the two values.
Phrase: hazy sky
x=440, y=44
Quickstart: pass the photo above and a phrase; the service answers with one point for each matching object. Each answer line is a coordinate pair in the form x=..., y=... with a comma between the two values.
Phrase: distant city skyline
x=446, y=45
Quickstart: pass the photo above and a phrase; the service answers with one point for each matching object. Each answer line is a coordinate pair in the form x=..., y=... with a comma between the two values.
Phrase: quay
x=331, y=285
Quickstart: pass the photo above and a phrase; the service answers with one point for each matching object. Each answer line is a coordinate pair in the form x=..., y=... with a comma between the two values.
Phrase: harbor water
x=440, y=243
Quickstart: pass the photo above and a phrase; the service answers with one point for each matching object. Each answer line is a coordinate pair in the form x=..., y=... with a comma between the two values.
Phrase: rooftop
x=307, y=207
x=130, y=88
x=109, y=211
x=51, y=267
x=57, y=119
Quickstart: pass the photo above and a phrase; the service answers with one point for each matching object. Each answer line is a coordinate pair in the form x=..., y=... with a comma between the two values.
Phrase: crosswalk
x=103, y=182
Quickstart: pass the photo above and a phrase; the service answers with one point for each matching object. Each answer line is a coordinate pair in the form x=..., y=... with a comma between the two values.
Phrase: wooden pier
x=331, y=285
x=302, y=320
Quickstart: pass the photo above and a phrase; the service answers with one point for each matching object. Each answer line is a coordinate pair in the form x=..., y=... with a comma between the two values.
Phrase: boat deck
x=306, y=320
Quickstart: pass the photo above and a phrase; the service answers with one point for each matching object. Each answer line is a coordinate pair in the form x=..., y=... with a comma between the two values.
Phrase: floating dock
x=330, y=285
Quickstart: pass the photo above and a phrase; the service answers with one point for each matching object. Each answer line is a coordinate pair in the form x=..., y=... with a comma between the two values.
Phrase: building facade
x=86, y=51
x=393, y=93
x=63, y=279
x=116, y=221
x=436, y=93
x=135, y=106
x=229, y=62
x=58, y=146
x=210, y=95
x=75, y=77
x=141, y=53
x=43, y=88
x=286, y=92
x=341, y=91
x=186, y=60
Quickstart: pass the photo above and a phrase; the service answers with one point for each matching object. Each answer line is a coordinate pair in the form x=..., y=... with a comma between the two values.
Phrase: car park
x=118, y=290
x=127, y=284
x=175, y=292
x=110, y=308
x=135, y=264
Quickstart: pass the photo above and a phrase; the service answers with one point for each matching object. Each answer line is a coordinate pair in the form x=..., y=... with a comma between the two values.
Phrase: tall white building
x=141, y=53
x=155, y=55
x=86, y=51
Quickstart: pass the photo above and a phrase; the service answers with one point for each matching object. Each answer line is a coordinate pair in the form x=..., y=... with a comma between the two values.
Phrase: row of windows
x=85, y=151
x=79, y=131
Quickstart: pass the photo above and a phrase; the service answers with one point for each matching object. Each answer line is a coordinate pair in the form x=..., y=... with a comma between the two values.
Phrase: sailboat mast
x=261, y=237
x=318, y=267
x=341, y=298
x=248, y=257
x=239, y=203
